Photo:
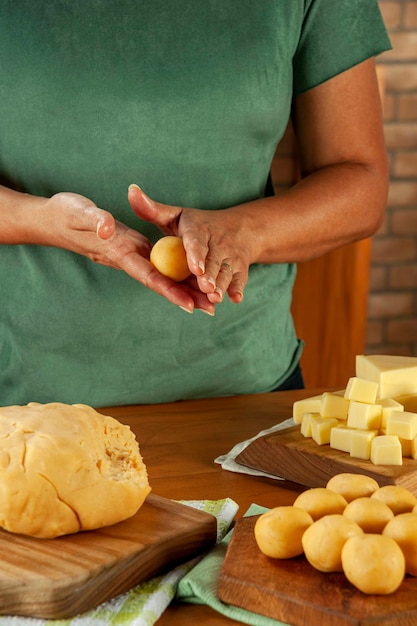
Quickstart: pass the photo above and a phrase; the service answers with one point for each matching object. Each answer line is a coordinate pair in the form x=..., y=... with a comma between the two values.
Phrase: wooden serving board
x=62, y=577
x=296, y=593
x=290, y=455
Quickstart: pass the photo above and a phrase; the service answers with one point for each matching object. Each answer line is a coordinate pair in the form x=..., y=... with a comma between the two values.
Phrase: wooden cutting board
x=289, y=455
x=294, y=592
x=62, y=577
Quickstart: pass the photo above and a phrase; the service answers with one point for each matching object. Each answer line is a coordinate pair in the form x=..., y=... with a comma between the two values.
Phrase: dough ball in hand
x=169, y=258
x=66, y=468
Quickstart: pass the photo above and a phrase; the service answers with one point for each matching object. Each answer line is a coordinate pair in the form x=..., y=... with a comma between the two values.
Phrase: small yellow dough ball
x=320, y=501
x=373, y=563
x=403, y=528
x=169, y=258
x=371, y=515
x=352, y=486
x=324, y=539
x=278, y=532
x=399, y=499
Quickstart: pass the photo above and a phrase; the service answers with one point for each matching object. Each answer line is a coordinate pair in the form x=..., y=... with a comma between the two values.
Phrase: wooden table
x=179, y=442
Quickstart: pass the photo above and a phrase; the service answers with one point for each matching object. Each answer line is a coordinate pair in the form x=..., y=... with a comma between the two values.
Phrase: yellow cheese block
x=395, y=375
x=361, y=390
x=414, y=448
x=321, y=428
x=305, y=405
x=407, y=447
x=386, y=450
x=403, y=424
x=306, y=423
x=340, y=438
x=335, y=405
x=363, y=415
x=361, y=442
x=388, y=405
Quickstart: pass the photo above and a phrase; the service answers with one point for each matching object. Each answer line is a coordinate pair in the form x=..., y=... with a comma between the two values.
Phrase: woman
x=124, y=120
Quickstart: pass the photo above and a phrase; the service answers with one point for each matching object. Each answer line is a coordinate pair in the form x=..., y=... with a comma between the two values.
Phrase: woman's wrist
x=22, y=218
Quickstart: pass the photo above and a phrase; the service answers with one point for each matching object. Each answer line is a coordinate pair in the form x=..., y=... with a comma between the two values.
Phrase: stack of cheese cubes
x=374, y=418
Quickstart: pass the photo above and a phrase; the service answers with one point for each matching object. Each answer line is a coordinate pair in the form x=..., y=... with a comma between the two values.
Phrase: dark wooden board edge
x=294, y=592
x=289, y=455
x=74, y=595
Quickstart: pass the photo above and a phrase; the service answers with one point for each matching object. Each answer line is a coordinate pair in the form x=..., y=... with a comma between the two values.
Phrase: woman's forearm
x=332, y=207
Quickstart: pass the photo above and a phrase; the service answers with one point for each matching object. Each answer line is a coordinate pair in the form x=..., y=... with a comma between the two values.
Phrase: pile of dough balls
x=66, y=468
x=353, y=526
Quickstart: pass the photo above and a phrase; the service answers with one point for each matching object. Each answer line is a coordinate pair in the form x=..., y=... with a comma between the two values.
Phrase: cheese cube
x=334, y=405
x=388, y=405
x=306, y=424
x=395, y=375
x=305, y=405
x=406, y=447
x=360, y=443
x=414, y=448
x=403, y=424
x=363, y=415
x=321, y=428
x=340, y=438
x=361, y=390
x=386, y=450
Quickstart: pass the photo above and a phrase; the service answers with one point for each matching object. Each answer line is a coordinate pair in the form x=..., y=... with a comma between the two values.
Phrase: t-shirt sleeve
x=335, y=36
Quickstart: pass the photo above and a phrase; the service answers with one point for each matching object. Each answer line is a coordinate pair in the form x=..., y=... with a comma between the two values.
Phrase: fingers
x=180, y=294
x=141, y=204
x=82, y=215
x=105, y=226
x=237, y=282
x=221, y=278
x=162, y=215
x=236, y=288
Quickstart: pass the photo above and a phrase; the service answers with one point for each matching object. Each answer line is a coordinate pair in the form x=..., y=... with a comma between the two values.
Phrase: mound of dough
x=66, y=468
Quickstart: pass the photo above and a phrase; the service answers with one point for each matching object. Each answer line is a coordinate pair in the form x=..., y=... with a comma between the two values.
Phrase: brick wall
x=392, y=307
x=392, y=304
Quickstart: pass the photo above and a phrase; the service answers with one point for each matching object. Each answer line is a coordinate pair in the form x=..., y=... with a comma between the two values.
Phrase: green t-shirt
x=188, y=99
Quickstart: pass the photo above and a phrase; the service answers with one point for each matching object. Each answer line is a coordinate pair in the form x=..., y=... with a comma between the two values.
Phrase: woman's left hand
x=218, y=253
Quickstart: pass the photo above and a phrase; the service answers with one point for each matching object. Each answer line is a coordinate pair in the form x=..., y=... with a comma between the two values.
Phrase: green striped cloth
x=199, y=585
x=144, y=604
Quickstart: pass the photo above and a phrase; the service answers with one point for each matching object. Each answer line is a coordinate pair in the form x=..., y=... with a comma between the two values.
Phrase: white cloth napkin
x=228, y=462
x=144, y=604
